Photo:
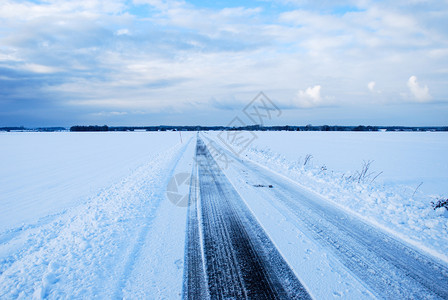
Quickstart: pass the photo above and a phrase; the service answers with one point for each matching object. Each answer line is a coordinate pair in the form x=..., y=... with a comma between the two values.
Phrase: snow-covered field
x=44, y=173
x=85, y=215
x=405, y=158
x=393, y=200
x=77, y=210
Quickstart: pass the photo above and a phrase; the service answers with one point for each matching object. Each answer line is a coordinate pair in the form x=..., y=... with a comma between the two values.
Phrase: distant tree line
x=40, y=129
x=93, y=128
x=8, y=129
x=89, y=128
x=257, y=128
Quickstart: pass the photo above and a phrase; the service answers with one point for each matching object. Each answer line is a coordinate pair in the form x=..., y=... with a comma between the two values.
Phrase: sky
x=155, y=62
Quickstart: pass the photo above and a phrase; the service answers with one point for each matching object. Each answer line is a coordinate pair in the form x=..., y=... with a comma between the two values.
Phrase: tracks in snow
x=228, y=255
x=388, y=267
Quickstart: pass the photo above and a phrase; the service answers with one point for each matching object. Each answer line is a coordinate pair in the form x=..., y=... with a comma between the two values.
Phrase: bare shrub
x=417, y=189
x=440, y=203
x=365, y=175
x=308, y=157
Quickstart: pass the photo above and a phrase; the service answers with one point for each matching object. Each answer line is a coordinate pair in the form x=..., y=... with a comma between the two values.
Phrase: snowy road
x=238, y=238
x=387, y=267
x=228, y=254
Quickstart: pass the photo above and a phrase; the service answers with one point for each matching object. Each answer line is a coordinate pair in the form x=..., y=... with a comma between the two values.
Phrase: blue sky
x=151, y=62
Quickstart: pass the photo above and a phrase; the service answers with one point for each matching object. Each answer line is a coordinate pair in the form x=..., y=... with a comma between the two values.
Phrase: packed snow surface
x=85, y=215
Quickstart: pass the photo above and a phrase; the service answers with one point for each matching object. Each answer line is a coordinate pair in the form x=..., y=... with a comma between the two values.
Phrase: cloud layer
x=73, y=60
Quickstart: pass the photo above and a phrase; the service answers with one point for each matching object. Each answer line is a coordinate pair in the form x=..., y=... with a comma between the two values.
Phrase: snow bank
x=89, y=250
x=405, y=158
x=45, y=173
x=388, y=203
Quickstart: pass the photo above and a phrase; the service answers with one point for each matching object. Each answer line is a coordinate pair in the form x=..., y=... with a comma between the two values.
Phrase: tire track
x=194, y=269
x=239, y=260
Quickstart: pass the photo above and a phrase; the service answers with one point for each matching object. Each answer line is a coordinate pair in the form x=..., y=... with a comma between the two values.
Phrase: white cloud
x=372, y=88
x=110, y=113
x=41, y=69
x=420, y=93
x=28, y=10
x=122, y=32
x=310, y=97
